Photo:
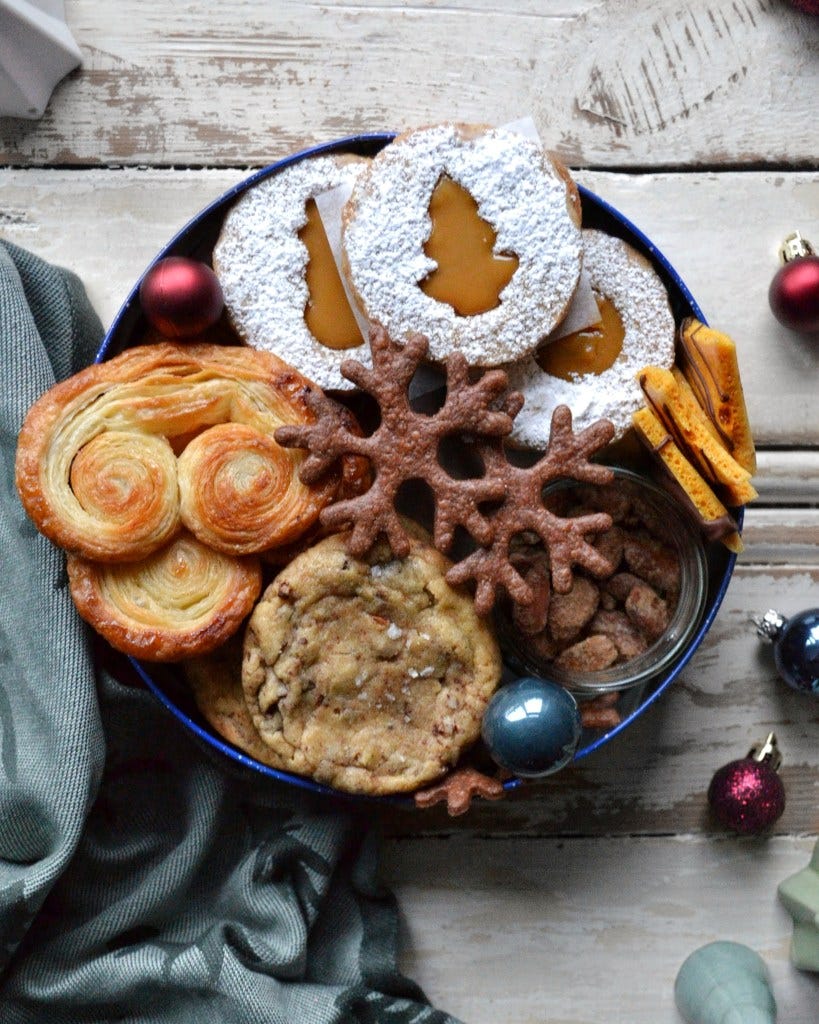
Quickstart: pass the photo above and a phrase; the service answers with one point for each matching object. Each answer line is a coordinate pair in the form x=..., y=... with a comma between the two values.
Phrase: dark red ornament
x=794, y=291
x=181, y=297
x=747, y=796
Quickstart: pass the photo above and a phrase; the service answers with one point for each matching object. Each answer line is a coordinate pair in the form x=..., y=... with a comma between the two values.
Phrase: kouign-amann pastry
x=521, y=193
x=594, y=372
x=282, y=288
x=96, y=464
x=183, y=600
x=370, y=674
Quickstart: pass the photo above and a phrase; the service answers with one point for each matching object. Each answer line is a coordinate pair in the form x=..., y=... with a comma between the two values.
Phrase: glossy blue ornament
x=796, y=647
x=532, y=727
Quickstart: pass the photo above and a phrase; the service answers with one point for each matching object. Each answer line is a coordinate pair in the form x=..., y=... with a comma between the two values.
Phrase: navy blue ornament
x=796, y=647
x=532, y=727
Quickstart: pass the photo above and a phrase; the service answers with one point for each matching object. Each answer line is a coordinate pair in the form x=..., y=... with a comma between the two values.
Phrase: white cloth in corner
x=36, y=51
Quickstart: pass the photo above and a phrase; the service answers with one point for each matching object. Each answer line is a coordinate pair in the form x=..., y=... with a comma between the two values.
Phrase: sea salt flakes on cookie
x=368, y=681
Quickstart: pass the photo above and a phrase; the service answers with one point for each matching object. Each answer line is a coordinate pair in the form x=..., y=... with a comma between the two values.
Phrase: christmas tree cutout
x=469, y=276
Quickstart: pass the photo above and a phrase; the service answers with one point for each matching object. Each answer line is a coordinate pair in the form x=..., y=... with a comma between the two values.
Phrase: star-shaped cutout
x=799, y=895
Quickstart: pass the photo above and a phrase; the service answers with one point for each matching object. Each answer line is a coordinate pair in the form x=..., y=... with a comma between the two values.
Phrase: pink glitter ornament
x=747, y=795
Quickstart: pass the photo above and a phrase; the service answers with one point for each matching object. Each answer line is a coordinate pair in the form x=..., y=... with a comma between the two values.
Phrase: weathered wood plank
x=648, y=83
x=585, y=913
x=586, y=931
x=782, y=536
x=653, y=777
x=787, y=477
x=107, y=225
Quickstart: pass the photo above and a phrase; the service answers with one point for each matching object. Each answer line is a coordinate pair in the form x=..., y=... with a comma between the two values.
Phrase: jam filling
x=590, y=351
x=327, y=314
x=469, y=276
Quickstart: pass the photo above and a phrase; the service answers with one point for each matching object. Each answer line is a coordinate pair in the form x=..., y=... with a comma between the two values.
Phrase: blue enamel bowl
x=196, y=240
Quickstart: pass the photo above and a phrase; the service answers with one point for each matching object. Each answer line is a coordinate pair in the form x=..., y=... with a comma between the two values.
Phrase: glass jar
x=674, y=525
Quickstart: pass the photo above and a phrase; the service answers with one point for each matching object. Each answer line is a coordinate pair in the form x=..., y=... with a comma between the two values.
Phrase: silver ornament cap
x=770, y=625
x=795, y=247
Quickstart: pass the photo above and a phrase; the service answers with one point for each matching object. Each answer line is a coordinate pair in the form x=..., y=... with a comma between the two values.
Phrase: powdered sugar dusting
x=518, y=191
x=620, y=274
x=261, y=263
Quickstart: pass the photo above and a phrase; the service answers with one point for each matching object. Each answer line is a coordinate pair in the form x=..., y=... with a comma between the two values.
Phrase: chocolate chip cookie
x=369, y=674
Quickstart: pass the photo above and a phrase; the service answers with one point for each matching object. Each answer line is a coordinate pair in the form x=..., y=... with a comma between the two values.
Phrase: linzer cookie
x=370, y=674
x=282, y=288
x=593, y=370
x=492, y=301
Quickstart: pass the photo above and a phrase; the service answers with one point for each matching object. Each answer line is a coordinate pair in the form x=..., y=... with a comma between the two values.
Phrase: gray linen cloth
x=140, y=880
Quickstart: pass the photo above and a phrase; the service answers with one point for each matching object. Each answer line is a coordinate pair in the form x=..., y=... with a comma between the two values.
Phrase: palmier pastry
x=183, y=600
x=594, y=371
x=282, y=288
x=370, y=674
x=236, y=490
x=96, y=463
x=525, y=202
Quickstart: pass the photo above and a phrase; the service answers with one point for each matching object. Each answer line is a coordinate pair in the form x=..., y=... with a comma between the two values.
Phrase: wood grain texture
x=787, y=477
x=649, y=83
x=783, y=536
x=583, y=931
x=108, y=224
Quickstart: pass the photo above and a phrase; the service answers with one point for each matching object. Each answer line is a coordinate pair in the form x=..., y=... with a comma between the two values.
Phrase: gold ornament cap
x=795, y=247
x=767, y=752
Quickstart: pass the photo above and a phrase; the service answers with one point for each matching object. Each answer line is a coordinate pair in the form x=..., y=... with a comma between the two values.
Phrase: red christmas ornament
x=747, y=796
x=794, y=291
x=181, y=297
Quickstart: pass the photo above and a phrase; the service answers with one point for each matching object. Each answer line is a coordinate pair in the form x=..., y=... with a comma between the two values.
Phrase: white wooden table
x=575, y=901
